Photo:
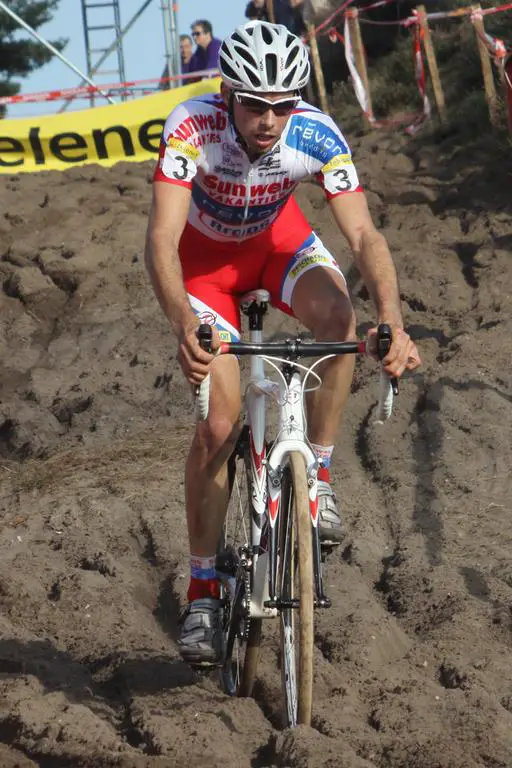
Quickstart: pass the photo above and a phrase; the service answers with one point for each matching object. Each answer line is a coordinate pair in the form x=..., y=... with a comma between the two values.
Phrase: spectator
x=256, y=10
x=206, y=55
x=185, y=53
x=289, y=13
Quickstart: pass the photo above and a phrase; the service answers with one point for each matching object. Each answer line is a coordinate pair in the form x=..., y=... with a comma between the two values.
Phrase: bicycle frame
x=266, y=468
x=266, y=477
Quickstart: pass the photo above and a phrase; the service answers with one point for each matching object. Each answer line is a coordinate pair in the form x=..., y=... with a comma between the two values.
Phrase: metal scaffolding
x=99, y=18
x=105, y=11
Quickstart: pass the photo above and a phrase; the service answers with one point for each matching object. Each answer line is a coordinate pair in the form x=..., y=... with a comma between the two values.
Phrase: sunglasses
x=197, y=34
x=258, y=105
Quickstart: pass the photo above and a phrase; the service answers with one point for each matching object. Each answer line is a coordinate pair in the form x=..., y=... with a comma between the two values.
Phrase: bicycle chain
x=247, y=580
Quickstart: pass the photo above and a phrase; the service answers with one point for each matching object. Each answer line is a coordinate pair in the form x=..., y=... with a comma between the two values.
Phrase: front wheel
x=295, y=580
x=242, y=634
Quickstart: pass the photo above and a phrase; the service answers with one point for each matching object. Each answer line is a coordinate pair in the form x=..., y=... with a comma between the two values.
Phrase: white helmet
x=264, y=57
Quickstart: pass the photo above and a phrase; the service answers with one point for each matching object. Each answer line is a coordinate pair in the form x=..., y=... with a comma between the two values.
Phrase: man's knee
x=216, y=437
x=331, y=317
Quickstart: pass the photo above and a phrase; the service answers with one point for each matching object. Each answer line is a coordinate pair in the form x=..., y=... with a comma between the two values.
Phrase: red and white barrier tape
x=419, y=68
x=416, y=119
x=326, y=25
x=467, y=11
x=357, y=82
x=495, y=47
x=88, y=90
x=508, y=78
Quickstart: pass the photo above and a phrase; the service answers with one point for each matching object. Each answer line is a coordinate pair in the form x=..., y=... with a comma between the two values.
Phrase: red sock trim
x=199, y=588
x=323, y=474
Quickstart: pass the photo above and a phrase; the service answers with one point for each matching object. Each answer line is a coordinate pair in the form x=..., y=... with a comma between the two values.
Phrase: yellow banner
x=105, y=135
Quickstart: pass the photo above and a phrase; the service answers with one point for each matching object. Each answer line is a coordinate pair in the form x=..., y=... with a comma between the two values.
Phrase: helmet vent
x=236, y=38
x=245, y=55
x=291, y=58
x=271, y=67
x=289, y=78
x=230, y=72
x=266, y=35
x=252, y=77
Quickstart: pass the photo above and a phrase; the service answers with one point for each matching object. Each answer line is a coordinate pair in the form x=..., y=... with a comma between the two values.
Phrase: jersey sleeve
x=323, y=151
x=177, y=163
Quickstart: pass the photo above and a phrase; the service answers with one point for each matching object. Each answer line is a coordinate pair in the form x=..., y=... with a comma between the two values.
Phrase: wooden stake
x=317, y=66
x=432, y=62
x=360, y=57
x=507, y=71
x=490, y=88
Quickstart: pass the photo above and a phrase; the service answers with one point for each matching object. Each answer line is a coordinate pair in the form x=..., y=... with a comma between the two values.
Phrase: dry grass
x=135, y=460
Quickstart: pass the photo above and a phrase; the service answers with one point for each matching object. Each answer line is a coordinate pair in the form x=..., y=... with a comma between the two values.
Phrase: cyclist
x=224, y=221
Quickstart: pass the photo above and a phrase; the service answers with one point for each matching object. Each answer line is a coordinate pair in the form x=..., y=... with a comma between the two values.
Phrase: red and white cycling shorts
x=217, y=274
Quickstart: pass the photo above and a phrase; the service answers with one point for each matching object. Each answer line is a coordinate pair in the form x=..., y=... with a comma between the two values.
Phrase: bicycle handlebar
x=293, y=349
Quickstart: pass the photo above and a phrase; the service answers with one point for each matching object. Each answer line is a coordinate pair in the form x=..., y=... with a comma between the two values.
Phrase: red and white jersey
x=232, y=197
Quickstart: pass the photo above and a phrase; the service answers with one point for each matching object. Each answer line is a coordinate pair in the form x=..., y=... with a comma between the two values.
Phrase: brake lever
x=204, y=336
x=384, y=341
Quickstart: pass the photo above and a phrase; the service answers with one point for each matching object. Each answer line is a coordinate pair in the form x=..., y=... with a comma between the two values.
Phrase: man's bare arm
x=371, y=254
x=167, y=219
x=374, y=261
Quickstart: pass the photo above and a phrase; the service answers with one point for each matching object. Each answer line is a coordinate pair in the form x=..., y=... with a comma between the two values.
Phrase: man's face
x=258, y=124
x=185, y=48
x=201, y=37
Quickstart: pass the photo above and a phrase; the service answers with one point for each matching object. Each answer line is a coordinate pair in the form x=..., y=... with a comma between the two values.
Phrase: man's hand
x=402, y=355
x=195, y=362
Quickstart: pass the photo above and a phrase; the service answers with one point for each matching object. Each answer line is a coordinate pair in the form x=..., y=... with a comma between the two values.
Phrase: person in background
x=206, y=55
x=186, y=50
x=290, y=14
x=256, y=10
x=185, y=57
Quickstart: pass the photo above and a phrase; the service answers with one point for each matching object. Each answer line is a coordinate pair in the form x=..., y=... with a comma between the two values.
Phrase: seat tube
x=256, y=409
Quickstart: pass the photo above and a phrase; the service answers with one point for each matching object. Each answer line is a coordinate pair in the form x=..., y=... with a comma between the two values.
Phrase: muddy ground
x=413, y=661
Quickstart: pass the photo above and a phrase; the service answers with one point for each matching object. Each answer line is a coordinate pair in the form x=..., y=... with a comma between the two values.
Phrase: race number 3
x=343, y=183
x=182, y=174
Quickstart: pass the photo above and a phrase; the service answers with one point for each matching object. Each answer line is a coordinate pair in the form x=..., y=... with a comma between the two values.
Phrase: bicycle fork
x=268, y=497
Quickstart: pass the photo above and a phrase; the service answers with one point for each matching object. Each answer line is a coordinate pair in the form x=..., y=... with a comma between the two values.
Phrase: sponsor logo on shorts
x=207, y=318
x=305, y=252
x=182, y=147
x=309, y=261
x=344, y=159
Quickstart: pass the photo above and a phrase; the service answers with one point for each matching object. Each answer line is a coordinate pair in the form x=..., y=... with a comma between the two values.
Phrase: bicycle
x=269, y=557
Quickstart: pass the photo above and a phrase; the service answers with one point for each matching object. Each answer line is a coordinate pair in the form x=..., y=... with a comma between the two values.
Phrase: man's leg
x=206, y=468
x=320, y=301
x=206, y=502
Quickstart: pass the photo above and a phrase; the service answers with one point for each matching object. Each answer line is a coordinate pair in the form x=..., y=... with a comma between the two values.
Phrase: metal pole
x=168, y=41
x=111, y=48
x=53, y=50
x=120, y=55
x=175, y=41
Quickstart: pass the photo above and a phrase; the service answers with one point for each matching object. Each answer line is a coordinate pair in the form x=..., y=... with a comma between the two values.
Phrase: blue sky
x=143, y=45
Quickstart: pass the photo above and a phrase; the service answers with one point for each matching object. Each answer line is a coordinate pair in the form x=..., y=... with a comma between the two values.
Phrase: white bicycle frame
x=266, y=469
